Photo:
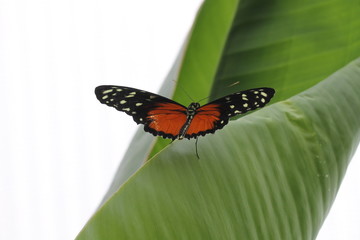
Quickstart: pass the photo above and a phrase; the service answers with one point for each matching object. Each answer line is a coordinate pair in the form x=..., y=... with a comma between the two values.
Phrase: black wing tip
x=99, y=91
x=100, y=88
x=269, y=90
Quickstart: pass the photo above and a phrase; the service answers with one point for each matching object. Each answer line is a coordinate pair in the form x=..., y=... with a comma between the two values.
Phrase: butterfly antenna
x=184, y=91
x=203, y=98
x=197, y=154
x=232, y=84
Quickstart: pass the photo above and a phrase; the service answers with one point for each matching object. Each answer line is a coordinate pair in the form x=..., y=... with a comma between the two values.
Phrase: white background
x=59, y=146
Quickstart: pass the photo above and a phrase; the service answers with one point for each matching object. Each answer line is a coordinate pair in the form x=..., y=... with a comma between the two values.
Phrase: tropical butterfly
x=166, y=118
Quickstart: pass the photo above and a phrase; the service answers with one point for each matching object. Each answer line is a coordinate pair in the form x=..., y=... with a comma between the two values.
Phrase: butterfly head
x=191, y=109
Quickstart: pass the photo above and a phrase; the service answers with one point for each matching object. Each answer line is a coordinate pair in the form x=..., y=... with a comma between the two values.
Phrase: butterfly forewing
x=215, y=115
x=160, y=115
x=242, y=102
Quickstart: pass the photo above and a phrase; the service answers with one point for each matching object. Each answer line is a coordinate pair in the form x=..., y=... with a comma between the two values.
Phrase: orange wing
x=165, y=119
x=207, y=120
x=161, y=116
x=215, y=115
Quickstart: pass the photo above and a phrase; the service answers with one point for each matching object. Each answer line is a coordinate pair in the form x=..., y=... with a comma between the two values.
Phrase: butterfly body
x=190, y=113
x=166, y=118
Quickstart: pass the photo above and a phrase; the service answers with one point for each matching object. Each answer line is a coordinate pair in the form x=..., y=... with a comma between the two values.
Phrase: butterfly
x=164, y=117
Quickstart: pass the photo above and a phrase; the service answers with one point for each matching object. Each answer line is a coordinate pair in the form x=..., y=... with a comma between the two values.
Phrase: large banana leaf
x=272, y=174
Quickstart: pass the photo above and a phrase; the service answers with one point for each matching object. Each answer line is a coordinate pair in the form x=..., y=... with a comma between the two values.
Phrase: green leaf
x=289, y=45
x=271, y=174
x=276, y=181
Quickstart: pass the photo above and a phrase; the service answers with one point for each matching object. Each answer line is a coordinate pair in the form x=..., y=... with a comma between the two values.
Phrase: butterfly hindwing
x=215, y=115
x=161, y=116
x=206, y=120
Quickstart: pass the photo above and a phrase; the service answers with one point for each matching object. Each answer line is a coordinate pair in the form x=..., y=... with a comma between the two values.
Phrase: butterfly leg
x=196, y=149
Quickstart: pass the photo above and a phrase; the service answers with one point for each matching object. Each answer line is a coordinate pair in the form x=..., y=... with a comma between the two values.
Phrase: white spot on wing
x=119, y=89
x=105, y=97
x=264, y=94
x=138, y=104
x=126, y=109
x=122, y=102
x=263, y=100
x=107, y=91
x=245, y=105
x=232, y=106
x=237, y=112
